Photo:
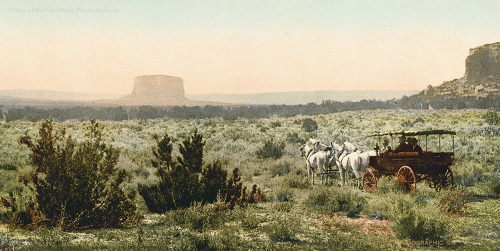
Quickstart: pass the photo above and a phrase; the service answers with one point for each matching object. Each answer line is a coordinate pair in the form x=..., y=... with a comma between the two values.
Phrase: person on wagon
x=403, y=147
x=386, y=147
x=414, y=147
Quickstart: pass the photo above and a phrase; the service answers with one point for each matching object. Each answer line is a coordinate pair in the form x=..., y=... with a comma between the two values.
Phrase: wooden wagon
x=412, y=167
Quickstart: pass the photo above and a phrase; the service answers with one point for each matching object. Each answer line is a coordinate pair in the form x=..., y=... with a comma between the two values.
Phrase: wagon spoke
x=406, y=178
x=446, y=180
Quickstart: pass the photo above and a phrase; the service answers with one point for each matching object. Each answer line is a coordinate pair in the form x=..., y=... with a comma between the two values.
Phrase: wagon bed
x=412, y=167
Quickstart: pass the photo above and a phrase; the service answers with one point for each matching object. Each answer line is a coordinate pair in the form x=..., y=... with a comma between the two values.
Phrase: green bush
x=293, y=180
x=283, y=229
x=331, y=200
x=495, y=188
x=250, y=220
x=491, y=117
x=410, y=223
x=186, y=180
x=309, y=125
x=455, y=202
x=76, y=185
x=281, y=169
x=271, y=149
x=294, y=138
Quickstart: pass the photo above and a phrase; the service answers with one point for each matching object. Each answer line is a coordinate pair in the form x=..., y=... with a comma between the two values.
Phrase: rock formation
x=481, y=79
x=157, y=90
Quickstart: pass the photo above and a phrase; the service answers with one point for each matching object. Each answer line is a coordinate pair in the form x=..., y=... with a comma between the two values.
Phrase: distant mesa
x=157, y=90
x=481, y=78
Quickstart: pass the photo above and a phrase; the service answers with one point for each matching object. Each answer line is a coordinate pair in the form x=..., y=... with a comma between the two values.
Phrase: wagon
x=412, y=167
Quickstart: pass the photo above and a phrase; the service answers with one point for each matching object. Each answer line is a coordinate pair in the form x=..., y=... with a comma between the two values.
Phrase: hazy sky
x=241, y=46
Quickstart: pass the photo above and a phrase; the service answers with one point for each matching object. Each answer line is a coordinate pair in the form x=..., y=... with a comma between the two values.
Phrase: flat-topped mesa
x=158, y=87
x=157, y=90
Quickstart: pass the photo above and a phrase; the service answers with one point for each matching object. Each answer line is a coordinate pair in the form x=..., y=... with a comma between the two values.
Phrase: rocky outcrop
x=157, y=90
x=481, y=79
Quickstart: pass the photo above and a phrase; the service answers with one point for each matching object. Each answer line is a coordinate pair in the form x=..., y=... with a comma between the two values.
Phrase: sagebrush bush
x=331, y=200
x=471, y=178
x=294, y=138
x=293, y=180
x=408, y=222
x=281, y=169
x=455, y=202
x=309, y=125
x=76, y=184
x=491, y=117
x=495, y=187
x=271, y=149
x=250, y=220
x=283, y=228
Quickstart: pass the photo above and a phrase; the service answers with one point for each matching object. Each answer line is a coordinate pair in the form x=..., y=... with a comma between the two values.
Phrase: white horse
x=365, y=159
x=319, y=162
x=349, y=147
x=349, y=158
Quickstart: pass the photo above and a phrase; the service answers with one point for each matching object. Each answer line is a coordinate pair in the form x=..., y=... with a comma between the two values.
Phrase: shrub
x=309, y=125
x=293, y=180
x=186, y=180
x=491, y=117
x=471, y=179
x=213, y=181
x=76, y=185
x=282, y=197
x=410, y=223
x=283, y=229
x=275, y=124
x=455, y=203
x=9, y=167
x=495, y=187
x=271, y=149
x=192, y=153
x=334, y=200
x=294, y=138
x=281, y=169
x=250, y=220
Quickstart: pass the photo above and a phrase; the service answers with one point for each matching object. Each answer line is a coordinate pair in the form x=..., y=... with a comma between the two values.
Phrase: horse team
x=347, y=157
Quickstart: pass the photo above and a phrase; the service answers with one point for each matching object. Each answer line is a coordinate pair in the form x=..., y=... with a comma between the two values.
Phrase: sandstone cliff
x=481, y=79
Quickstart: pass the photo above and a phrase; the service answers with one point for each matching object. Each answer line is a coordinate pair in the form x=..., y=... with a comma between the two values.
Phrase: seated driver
x=414, y=147
x=403, y=147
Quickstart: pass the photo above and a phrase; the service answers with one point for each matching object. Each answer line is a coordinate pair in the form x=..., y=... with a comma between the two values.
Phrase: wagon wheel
x=406, y=178
x=446, y=180
x=369, y=181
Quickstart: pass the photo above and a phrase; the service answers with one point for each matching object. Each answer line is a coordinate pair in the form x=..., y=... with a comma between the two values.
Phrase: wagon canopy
x=415, y=133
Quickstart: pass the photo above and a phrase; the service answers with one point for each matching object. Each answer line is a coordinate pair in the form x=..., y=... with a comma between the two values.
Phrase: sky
x=237, y=47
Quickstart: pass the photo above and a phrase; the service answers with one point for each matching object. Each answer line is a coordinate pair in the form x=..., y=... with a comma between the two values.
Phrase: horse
x=350, y=158
x=365, y=159
x=349, y=147
x=319, y=161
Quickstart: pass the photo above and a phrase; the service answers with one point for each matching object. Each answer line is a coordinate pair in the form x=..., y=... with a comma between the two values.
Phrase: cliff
x=481, y=78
